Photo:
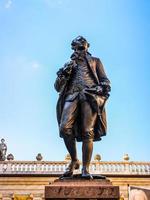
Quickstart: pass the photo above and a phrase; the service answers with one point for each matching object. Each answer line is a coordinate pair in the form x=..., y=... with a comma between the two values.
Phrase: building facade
x=21, y=180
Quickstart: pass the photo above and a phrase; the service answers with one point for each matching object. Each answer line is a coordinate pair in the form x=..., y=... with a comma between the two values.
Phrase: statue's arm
x=103, y=79
x=59, y=83
x=101, y=72
x=63, y=75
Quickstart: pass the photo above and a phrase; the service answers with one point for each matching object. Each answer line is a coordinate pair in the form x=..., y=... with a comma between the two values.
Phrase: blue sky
x=35, y=41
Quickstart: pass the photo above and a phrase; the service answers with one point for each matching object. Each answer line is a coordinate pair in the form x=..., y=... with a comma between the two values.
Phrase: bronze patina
x=83, y=91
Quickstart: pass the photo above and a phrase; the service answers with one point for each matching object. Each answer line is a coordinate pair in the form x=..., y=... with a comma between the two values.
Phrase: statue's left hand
x=99, y=89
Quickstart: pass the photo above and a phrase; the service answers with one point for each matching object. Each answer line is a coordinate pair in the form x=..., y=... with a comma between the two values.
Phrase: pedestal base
x=72, y=189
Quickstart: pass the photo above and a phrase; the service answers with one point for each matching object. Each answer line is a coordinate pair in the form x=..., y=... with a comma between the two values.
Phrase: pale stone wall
x=34, y=186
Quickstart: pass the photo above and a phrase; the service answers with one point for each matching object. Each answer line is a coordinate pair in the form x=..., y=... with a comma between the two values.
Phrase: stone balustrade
x=58, y=167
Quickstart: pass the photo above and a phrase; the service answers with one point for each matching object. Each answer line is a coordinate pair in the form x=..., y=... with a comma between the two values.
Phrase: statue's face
x=2, y=140
x=80, y=44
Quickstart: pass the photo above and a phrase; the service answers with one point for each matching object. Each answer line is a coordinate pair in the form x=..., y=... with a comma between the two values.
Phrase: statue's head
x=2, y=140
x=80, y=44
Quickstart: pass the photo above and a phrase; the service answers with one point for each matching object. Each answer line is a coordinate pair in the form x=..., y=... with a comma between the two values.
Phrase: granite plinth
x=72, y=189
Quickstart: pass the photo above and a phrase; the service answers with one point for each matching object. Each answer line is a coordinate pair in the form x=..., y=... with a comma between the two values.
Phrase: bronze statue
x=84, y=89
x=3, y=150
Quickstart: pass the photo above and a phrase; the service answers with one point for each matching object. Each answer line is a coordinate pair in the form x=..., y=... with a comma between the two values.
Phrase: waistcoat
x=81, y=77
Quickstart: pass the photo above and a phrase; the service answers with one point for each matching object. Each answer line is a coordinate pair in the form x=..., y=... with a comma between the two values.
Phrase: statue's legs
x=87, y=149
x=70, y=144
x=67, y=121
x=89, y=118
x=68, y=118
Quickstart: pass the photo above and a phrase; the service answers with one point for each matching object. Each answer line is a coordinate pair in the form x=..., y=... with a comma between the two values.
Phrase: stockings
x=87, y=149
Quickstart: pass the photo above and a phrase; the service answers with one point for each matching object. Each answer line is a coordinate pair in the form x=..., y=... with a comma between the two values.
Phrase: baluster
x=130, y=168
x=61, y=168
x=109, y=168
x=53, y=167
x=148, y=167
x=22, y=167
x=57, y=167
x=28, y=167
x=1, y=167
x=136, y=169
x=116, y=168
x=97, y=166
x=143, y=169
x=122, y=167
x=113, y=168
x=119, y=168
x=104, y=168
x=140, y=169
x=17, y=167
x=12, y=167
x=44, y=167
x=133, y=168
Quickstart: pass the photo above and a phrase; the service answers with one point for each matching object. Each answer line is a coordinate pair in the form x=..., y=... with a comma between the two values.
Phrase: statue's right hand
x=60, y=83
x=67, y=69
x=60, y=72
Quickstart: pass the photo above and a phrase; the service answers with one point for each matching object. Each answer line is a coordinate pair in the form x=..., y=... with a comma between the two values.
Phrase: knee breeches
x=70, y=114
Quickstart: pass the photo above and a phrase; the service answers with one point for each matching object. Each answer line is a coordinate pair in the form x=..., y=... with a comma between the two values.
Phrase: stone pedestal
x=72, y=189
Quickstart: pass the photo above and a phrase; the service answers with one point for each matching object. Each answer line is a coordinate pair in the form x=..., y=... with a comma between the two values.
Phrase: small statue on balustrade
x=3, y=150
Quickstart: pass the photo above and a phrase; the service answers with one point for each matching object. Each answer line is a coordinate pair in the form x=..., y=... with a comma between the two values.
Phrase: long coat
x=97, y=101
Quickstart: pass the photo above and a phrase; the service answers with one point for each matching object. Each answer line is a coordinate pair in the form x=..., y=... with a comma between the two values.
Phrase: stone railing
x=58, y=167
